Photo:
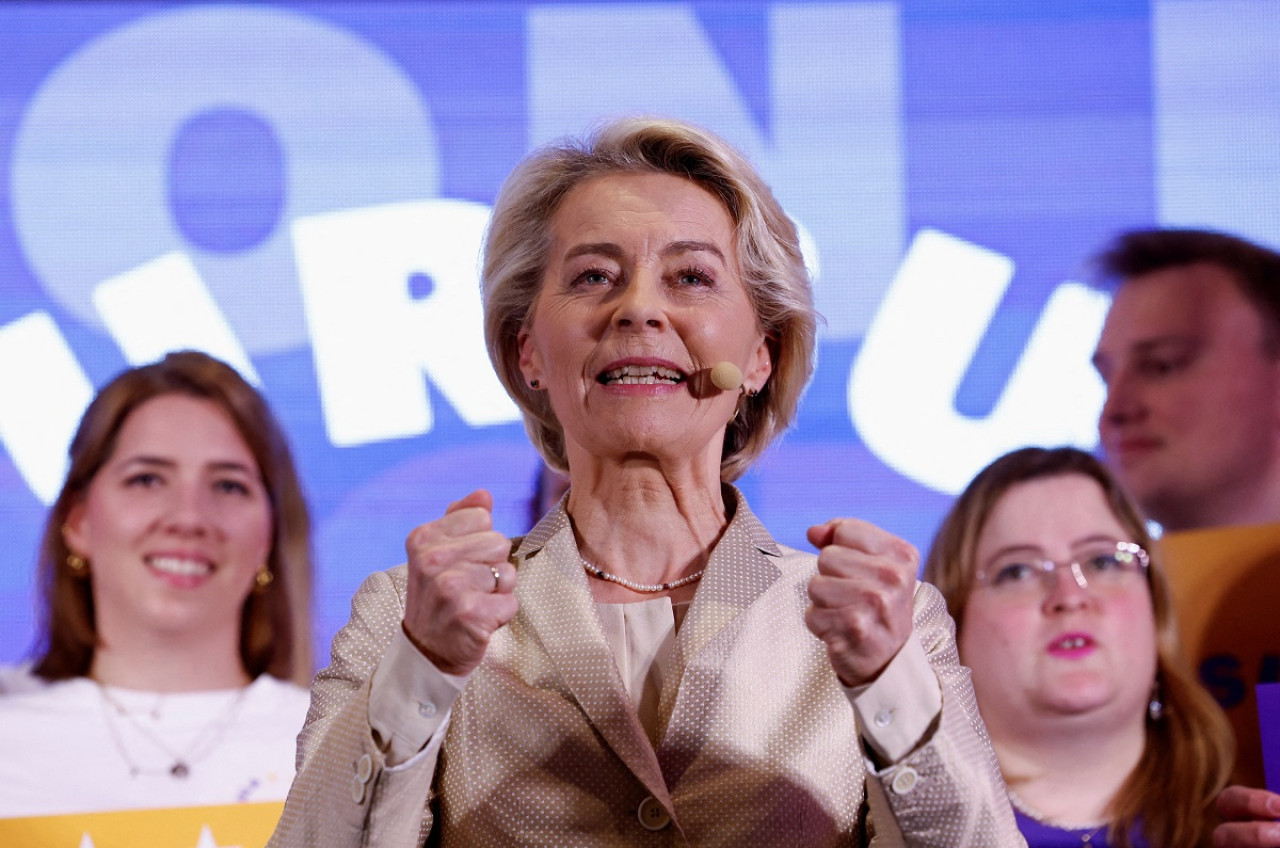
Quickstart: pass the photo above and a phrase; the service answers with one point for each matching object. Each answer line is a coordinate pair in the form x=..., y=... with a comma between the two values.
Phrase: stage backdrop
x=302, y=189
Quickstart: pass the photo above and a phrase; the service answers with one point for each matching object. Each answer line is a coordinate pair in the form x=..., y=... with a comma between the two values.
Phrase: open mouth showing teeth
x=1073, y=643
x=180, y=567
x=640, y=375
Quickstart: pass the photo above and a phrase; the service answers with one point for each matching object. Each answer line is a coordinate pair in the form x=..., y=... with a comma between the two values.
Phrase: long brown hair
x=275, y=625
x=1189, y=750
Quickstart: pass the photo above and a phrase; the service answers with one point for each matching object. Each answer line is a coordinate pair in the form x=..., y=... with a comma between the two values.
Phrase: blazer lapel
x=564, y=618
x=740, y=570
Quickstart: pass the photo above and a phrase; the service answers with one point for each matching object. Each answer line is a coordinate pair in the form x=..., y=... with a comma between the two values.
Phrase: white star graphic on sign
x=207, y=840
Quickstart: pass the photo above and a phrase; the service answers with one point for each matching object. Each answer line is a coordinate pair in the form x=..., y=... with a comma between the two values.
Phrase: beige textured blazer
x=759, y=743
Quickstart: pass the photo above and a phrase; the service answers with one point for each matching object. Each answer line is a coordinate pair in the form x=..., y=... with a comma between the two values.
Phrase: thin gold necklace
x=180, y=767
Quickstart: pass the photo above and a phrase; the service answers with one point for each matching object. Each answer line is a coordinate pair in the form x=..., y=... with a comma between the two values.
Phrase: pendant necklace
x=181, y=761
x=1088, y=831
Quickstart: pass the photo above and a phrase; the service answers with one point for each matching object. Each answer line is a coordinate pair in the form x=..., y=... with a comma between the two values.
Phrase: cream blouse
x=643, y=638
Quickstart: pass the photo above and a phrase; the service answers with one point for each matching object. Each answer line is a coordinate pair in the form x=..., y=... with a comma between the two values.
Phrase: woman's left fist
x=861, y=597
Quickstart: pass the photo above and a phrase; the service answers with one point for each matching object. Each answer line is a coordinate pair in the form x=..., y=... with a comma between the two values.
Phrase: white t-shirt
x=75, y=747
x=18, y=678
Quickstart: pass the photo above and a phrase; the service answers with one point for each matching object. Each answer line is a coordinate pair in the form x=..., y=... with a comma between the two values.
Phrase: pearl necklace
x=638, y=587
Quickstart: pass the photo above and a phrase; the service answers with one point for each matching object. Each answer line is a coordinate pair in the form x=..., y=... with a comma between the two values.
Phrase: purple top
x=1041, y=835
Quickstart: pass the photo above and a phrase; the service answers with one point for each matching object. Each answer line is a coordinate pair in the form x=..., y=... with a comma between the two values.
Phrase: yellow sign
x=229, y=826
x=1226, y=587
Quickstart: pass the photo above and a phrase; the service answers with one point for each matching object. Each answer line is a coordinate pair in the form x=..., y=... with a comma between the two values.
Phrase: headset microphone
x=726, y=376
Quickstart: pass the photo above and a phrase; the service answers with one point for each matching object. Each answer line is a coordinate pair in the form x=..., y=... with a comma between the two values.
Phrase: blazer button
x=652, y=815
x=357, y=790
x=364, y=768
x=905, y=780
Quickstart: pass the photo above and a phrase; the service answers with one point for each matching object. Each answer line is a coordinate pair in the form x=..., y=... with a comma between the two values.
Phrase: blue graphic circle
x=226, y=180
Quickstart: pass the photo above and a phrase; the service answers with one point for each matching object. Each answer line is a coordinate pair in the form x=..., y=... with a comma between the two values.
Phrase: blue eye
x=695, y=276
x=592, y=277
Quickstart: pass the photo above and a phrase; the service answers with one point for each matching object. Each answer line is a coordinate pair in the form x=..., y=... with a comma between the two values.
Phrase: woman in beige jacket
x=647, y=666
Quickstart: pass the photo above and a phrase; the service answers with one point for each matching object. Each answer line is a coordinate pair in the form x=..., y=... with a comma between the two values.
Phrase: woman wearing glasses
x=1063, y=614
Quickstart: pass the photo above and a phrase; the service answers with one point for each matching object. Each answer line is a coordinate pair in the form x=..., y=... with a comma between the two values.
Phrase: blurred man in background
x=1190, y=354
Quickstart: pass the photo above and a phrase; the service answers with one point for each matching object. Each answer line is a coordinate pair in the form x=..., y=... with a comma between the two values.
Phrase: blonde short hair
x=768, y=247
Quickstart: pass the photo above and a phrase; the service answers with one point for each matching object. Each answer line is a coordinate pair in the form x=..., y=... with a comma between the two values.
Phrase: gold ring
x=497, y=578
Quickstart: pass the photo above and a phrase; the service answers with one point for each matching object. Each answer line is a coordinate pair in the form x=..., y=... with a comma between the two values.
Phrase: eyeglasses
x=1101, y=569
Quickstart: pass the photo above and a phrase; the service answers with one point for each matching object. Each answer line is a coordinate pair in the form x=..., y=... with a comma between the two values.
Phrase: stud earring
x=79, y=567
x=534, y=384
x=263, y=578
x=1155, y=708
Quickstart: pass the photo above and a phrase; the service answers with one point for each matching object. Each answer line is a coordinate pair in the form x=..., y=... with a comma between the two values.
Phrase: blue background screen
x=301, y=188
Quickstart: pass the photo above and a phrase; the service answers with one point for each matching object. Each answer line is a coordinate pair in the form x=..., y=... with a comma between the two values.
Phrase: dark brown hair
x=1189, y=751
x=275, y=628
x=1255, y=269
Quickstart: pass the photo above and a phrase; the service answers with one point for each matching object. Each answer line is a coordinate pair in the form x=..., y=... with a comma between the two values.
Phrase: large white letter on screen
x=91, y=156
x=1216, y=158
x=40, y=407
x=373, y=341
x=828, y=139
x=163, y=306
x=903, y=384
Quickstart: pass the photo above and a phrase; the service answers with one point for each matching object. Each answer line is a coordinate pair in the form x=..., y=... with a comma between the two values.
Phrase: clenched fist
x=861, y=597
x=461, y=586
